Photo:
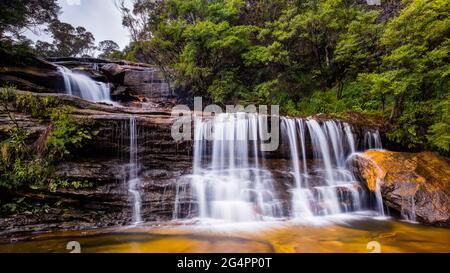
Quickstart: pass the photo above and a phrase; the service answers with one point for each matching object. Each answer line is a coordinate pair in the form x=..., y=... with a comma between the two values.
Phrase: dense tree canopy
x=415, y=71
x=308, y=56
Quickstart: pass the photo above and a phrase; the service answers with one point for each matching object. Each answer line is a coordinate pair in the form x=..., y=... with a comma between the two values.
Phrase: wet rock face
x=416, y=185
x=104, y=163
x=127, y=78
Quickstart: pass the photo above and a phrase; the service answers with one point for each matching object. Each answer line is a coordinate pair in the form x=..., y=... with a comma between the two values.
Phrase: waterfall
x=408, y=209
x=379, y=198
x=228, y=181
x=334, y=186
x=372, y=140
x=301, y=194
x=350, y=138
x=78, y=84
x=133, y=175
x=233, y=181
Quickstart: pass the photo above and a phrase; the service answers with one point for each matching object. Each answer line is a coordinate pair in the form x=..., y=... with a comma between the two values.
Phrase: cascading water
x=301, y=192
x=133, y=177
x=408, y=209
x=379, y=198
x=81, y=85
x=372, y=140
x=228, y=181
x=331, y=145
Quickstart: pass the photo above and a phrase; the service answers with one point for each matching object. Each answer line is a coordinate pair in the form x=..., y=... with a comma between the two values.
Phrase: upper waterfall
x=78, y=84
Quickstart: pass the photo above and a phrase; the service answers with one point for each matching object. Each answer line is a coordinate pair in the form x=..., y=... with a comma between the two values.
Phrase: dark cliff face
x=104, y=163
x=29, y=73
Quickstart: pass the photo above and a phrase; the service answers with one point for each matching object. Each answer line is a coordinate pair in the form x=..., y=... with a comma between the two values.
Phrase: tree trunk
x=396, y=110
x=340, y=89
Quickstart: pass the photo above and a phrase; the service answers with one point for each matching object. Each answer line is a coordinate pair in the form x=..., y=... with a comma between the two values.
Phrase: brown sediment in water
x=392, y=236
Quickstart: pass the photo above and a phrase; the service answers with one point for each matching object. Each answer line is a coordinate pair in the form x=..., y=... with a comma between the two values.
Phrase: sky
x=100, y=17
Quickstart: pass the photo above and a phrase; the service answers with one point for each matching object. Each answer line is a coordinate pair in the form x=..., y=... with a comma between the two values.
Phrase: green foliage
x=42, y=15
x=16, y=144
x=439, y=132
x=36, y=106
x=319, y=102
x=16, y=53
x=265, y=92
x=19, y=172
x=261, y=43
x=410, y=127
x=17, y=164
x=414, y=72
x=226, y=86
x=331, y=56
x=66, y=134
x=24, y=163
x=21, y=205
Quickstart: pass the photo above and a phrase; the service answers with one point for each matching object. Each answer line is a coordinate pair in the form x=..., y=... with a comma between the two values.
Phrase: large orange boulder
x=414, y=184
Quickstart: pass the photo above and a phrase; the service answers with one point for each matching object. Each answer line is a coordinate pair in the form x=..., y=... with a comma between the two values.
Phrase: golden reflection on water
x=285, y=237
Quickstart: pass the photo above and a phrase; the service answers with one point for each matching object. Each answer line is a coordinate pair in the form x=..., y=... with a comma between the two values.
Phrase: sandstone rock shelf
x=413, y=184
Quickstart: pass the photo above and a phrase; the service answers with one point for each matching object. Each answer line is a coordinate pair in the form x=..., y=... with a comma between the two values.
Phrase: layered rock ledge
x=104, y=163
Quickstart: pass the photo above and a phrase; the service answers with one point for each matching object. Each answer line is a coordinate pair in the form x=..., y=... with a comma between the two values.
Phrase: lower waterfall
x=227, y=179
x=326, y=186
x=233, y=180
x=80, y=85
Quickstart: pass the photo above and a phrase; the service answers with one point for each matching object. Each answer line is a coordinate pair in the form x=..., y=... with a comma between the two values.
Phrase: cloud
x=101, y=17
x=73, y=2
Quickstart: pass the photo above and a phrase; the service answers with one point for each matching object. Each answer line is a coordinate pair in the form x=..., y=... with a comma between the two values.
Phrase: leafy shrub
x=439, y=132
x=66, y=134
x=21, y=162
